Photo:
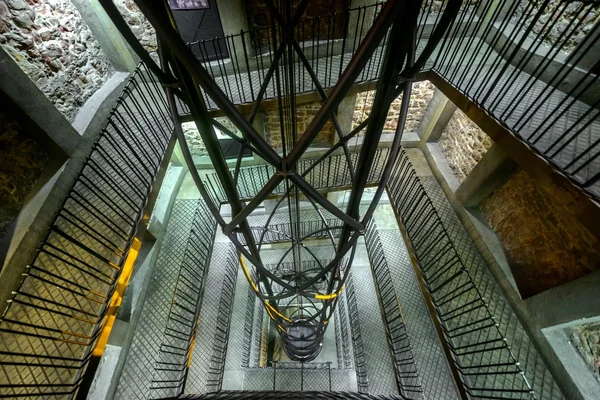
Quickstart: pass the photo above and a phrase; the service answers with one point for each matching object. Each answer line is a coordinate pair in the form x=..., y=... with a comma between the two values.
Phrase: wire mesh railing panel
x=515, y=64
x=360, y=364
x=481, y=354
x=512, y=60
x=170, y=369
x=404, y=363
x=219, y=351
x=52, y=322
x=331, y=173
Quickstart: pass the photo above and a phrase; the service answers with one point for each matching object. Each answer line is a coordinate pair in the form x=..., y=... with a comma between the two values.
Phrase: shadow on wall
x=545, y=245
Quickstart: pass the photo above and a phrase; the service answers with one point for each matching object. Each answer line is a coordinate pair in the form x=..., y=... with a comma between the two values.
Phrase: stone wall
x=138, y=24
x=463, y=143
x=422, y=93
x=194, y=140
x=562, y=22
x=55, y=48
x=304, y=114
x=586, y=339
x=545, y=244
x=21, y=163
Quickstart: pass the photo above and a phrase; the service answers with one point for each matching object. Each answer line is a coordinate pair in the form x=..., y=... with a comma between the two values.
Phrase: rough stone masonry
x=54, y=47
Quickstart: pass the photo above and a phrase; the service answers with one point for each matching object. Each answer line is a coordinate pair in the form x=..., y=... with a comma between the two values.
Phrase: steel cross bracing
x=301, y=303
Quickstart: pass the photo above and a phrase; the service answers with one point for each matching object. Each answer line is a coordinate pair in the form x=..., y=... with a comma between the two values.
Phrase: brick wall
x=544, y=243
x=330, y=26
x=463, y=143
x=304, y=114
x=422, y=94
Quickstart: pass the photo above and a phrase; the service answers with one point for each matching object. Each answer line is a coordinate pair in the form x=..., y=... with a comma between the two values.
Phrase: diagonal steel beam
x=291, y=41
x=389, y=13
x=277, y=57
x=170, y=37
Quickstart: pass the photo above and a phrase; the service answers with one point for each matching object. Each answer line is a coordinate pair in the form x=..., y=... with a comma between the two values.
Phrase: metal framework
x=300, y=304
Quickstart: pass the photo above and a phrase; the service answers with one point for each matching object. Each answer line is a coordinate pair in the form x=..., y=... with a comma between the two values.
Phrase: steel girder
x=299, y=302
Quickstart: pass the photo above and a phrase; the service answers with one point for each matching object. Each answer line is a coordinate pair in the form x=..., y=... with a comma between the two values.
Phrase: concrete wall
x=55, y=48
x=544, y=243
x=21, y=164
x=463, y=144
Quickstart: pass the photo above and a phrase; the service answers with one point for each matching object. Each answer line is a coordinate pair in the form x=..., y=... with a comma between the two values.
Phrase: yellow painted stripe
x=248, y=275
x=329, y=296
x=277, y=312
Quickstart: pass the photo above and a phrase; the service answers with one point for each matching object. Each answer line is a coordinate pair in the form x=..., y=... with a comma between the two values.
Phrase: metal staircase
x=498, y=56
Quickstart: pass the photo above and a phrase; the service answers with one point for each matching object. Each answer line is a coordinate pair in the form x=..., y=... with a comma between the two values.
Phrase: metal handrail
x=171, y=365
x=57, y=313
x=404, y=363
x=480, y=353
x=507, y=60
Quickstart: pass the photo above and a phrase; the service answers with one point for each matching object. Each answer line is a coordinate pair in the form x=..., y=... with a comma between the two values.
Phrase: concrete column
x=234, y=20
x=333, y=197
x=438, y=114
x=356, y=20
x=26, y=95
x=107, y=35
x=270, y=205
x=590, y=51
x=493, y=169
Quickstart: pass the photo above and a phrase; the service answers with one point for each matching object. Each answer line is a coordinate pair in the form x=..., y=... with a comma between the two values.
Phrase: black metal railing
x=405, y=365
x=480, y=353
x=249, y=323
x=253, y=330
x=360, y=364
x=277, y=395
x=171, y=367
x=331, y=173
x=300, y=366
x=342, y=324
x=221, y=339
x=56, y=314
x=251, y=54
x=282, y=232
x=529, y=65
x=535, y=76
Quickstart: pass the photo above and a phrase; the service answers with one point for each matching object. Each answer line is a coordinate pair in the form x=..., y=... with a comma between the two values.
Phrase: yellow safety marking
x=277, y=312
x=247, y=274
x=329, y=296
x=117, y=298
